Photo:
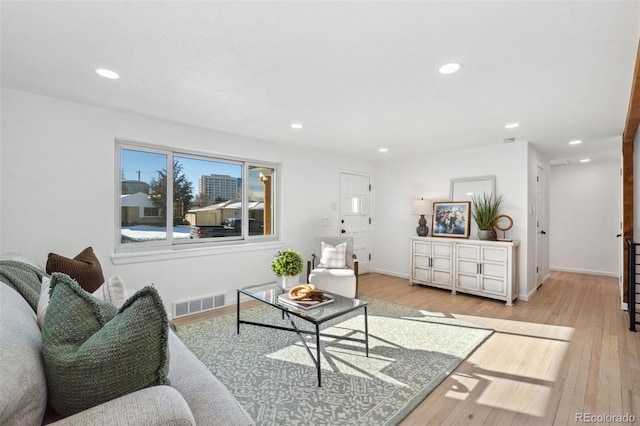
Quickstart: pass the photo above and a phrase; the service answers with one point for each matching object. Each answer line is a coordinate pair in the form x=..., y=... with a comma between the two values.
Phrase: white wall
x=400, y=183
x=57, y=186
x=585, y=218
x=58, y=182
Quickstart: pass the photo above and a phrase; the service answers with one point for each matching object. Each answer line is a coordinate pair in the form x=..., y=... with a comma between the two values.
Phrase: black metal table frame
x=300, y=333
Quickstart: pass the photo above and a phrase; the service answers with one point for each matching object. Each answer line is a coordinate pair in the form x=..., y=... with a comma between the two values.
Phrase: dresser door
x=421, y=262
x=494, y=270
x=467, y=266
x=442, y=263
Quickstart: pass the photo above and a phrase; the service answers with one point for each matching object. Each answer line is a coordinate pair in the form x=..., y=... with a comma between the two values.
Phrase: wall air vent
x=183, y=308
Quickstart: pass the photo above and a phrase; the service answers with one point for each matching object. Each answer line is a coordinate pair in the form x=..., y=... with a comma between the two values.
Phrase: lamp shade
x=422, y=206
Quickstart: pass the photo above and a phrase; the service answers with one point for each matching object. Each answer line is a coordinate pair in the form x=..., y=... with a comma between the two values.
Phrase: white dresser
x=483, y=268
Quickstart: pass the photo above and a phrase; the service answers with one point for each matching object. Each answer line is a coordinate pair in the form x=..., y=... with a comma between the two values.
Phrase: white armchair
x=335, y=269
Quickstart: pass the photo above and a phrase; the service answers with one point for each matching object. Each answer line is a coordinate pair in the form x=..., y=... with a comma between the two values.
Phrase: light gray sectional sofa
x=195, y=396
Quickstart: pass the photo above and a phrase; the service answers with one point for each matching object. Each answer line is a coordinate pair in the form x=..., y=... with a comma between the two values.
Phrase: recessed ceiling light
x=585, y=160
x=296, y=126
x=383, y=150
x=511, y=125
x=449, y=68
x=111, y=75
x=576, y=142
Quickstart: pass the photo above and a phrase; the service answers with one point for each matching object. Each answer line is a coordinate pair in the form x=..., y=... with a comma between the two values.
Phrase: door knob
x=543, y=233
x=343, y=231
x=619, y=235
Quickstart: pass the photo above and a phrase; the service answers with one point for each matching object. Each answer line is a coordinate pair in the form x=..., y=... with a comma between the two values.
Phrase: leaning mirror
x=463, y=189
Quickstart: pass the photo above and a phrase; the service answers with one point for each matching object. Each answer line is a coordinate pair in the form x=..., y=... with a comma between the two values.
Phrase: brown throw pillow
x=84, y=268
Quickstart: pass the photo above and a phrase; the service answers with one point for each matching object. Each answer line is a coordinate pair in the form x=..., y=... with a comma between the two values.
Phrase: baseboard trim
x=527, y=296
x=392, y=273
x=584, y=271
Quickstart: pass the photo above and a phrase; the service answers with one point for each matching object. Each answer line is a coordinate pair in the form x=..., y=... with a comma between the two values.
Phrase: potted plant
x=287, y=264
x=486, y=209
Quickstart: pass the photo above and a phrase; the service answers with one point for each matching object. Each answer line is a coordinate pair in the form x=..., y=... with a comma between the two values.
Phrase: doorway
x=540, y=227
x=355, y=217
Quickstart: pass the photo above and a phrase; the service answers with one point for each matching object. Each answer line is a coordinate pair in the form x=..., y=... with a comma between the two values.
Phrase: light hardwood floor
x=565, y=352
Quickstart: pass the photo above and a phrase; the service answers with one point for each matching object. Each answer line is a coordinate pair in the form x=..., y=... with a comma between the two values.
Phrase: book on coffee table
x=325, y=299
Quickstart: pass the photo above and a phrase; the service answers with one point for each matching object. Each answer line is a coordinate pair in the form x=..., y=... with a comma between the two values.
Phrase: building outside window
x=207, y=199
x=220, y=187
x=134, y=186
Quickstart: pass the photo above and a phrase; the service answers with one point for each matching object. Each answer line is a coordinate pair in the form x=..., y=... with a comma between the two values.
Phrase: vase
x=484, y=234
x=289, y=281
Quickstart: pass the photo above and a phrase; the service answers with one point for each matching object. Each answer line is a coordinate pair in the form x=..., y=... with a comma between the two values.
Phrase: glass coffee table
x=268, y=294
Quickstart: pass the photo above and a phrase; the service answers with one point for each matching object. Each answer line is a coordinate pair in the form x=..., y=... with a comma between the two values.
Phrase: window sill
x=178, y=252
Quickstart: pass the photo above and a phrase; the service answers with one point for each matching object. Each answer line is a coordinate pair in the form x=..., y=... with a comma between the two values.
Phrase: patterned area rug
x=273, y=377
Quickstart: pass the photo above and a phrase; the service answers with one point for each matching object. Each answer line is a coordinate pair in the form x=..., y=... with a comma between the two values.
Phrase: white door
x=621, y=241
x=355, y=196
x=540, y=232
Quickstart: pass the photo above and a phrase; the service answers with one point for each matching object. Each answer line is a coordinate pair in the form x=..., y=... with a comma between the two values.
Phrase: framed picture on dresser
x=451, y=219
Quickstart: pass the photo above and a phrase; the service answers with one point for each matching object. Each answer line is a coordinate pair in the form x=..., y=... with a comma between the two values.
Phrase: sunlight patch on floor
x=392, y=341
x=514, y=395
x=515, y=369
x=344, y=361
x=432, y=314
x=532, y=329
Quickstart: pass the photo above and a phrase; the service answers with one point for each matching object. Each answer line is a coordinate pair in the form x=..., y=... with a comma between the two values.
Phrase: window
x=210, y=199
x=150, y=212
x=260, y=200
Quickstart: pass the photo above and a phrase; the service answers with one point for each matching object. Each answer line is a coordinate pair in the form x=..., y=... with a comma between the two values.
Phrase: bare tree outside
x=202, y=200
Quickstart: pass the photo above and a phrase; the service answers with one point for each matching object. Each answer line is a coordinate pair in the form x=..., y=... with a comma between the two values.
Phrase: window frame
x=145, y=215
x=170, y=243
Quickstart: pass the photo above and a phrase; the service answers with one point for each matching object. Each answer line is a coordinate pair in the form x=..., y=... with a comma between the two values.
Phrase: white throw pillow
x=43, y=302
x=333, y=257
x=113, y=290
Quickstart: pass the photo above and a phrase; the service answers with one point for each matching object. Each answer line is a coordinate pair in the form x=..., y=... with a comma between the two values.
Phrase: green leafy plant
x=485, y=210
x=287, y=263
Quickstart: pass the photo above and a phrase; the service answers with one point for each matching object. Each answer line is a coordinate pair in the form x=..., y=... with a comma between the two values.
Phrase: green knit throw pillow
x=94, y=352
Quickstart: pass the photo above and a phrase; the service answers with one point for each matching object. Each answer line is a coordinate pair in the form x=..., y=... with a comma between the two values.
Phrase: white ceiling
x=359, y=75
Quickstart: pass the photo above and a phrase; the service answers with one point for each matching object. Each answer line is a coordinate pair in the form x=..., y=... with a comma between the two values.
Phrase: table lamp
x=422, y=207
